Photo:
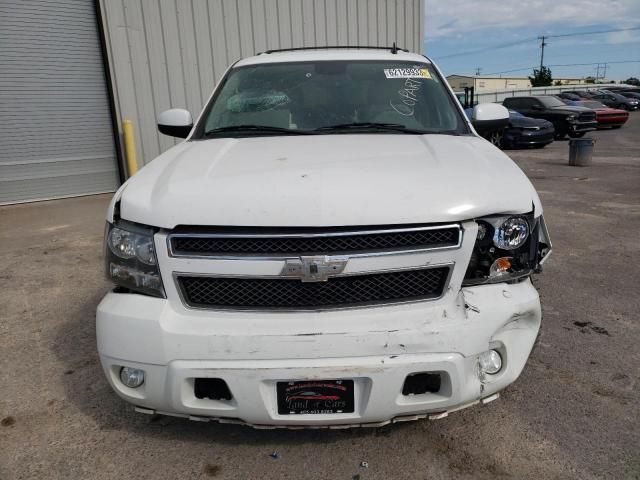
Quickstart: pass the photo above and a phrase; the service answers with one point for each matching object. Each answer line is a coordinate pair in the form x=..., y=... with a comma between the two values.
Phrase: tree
x=632, y=81
x=558, y=83
x=541, y=77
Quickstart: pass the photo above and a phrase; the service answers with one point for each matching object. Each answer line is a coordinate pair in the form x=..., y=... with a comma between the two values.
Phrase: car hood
x=326, y=180
x=611, y=111
x=570, y=109
x=519, y=122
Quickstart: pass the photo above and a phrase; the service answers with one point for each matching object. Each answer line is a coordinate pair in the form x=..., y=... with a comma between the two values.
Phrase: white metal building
x=489, y=83
x=72, y=70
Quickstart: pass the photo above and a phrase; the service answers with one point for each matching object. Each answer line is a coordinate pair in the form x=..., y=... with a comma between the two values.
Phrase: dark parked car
x=582, y=94
x=521, y=132
x=566, y=119
x=622, y=89
x=615, y=100
x=633, y=95
x=606, y=117
x=527, y=132
x=569, y=96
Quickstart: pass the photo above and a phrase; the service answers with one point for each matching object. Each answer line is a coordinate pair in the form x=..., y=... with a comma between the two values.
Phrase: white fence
x=498, y=96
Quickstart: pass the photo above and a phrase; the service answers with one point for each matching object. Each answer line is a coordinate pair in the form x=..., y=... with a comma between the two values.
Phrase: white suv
x=332, y=245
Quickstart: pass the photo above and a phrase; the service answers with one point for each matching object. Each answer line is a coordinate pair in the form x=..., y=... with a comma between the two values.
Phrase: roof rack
x=394, y=48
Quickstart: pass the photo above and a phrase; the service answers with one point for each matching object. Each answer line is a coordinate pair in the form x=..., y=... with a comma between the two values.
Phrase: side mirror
x=176, y=122
x=535, y=106
x=489, y=116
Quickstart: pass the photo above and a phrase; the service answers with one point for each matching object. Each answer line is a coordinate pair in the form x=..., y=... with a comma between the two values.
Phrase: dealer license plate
x=315, y=397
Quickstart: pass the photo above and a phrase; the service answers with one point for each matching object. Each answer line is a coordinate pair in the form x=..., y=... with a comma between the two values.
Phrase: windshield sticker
x=408, y=96
x=407, y=73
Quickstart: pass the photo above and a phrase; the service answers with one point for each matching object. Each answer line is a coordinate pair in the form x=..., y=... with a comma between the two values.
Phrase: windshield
x=552, y=102
x=331, y=97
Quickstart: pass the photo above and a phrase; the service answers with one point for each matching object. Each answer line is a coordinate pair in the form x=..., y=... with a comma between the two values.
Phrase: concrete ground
x=574, y=413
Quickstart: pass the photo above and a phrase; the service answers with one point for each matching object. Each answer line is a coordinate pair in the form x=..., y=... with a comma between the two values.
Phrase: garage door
x=55, y=126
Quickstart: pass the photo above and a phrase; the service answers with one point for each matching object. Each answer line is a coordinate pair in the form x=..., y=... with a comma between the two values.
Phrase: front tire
x=496, y=138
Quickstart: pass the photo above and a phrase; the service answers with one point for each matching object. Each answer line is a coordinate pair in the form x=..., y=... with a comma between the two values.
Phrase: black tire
x=559, y=135
x=616, y=126
x=577, y=134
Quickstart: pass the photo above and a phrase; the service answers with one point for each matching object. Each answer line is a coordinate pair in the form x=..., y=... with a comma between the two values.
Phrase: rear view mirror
x=176, y=122
x=489, y=116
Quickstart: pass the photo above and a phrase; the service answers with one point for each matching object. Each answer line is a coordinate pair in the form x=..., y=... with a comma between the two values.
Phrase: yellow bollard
x=130, y=147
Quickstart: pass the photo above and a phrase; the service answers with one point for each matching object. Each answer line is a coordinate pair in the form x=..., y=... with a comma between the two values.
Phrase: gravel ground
x=574, y=412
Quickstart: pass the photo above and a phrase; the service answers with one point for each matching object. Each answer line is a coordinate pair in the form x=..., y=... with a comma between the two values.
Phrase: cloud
x=459, y=17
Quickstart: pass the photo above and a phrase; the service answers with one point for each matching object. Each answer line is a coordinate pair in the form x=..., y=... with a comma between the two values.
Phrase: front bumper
x=526, y=138
x=577, y=127
x=376, y=347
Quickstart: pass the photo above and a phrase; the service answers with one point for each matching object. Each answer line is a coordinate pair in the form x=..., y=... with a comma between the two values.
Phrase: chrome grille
x=296, y=243
x=283, y=293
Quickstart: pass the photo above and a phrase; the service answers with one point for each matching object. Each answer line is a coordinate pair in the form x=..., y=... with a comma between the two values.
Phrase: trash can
x=581, y=151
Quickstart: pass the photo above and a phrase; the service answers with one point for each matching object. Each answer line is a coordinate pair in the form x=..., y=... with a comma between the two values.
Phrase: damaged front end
x=508, y=249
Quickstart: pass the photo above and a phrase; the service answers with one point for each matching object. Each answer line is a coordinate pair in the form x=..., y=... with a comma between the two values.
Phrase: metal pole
x=542, y=45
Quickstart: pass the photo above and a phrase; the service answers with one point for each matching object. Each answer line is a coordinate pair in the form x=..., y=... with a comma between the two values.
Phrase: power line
x=486, y=49
x=565, y=65
x=526, y=40
x=575, y=34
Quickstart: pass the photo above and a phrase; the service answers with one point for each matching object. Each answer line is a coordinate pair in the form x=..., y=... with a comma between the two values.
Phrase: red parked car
x=606, y=117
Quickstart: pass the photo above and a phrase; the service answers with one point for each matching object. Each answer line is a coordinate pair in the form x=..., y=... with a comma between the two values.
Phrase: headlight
x=131, y=259
x=571, y=118
x=507, y=248
x=511, y=234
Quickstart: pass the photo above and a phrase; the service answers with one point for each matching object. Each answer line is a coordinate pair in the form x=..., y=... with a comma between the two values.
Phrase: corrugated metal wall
x=169, y=53
x=56, y=138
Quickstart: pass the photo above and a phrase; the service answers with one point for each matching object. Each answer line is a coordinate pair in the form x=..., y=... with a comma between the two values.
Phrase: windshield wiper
x=254, y=129
x=396, y=127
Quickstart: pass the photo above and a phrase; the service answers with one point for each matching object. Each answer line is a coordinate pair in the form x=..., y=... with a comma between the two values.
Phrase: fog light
x=490, y=362
x=132, y=377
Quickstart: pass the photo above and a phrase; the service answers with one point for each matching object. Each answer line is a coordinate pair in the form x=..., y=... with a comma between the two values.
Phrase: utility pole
x=478, y=70
x=604, y=75
x=542, y=45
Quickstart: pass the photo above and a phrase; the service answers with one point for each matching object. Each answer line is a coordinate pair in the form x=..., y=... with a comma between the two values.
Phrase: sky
x=460, y=36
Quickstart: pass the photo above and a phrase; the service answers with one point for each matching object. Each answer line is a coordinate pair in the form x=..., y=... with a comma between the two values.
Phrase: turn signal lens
x=500, y=266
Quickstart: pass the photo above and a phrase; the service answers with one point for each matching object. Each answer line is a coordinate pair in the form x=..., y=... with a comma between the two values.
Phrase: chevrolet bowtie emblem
x=314, y=268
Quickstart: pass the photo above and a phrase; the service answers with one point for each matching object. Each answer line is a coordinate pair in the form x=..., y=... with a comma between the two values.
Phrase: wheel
x=496, y=138
x=616, y=126
x=577, y=134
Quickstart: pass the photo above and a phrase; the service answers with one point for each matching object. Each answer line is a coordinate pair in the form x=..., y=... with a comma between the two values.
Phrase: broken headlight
x=507, y=248
x=131, y=258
